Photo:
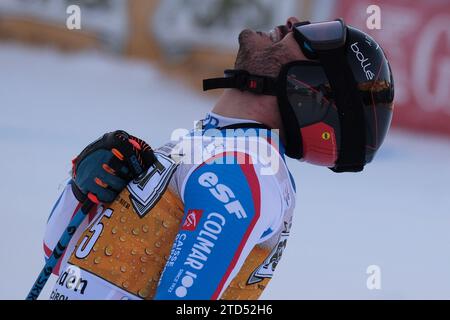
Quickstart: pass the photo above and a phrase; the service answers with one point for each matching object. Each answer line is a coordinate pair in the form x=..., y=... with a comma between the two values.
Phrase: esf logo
x=222, y=193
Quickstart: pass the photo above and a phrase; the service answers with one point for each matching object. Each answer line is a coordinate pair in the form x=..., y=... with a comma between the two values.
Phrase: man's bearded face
x=264, y=53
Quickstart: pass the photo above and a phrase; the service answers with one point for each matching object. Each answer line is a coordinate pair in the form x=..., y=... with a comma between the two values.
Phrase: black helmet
x=336, y=107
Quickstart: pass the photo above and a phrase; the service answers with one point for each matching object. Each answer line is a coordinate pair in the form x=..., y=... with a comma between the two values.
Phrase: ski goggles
x=319, y=36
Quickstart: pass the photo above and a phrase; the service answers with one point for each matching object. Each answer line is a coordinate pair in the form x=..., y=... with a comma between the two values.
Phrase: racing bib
x=129, y=242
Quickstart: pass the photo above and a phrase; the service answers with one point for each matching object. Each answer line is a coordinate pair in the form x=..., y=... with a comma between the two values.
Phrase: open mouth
x=278, y=33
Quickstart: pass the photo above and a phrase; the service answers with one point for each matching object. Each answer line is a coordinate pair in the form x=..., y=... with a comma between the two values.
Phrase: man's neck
x=244, y=105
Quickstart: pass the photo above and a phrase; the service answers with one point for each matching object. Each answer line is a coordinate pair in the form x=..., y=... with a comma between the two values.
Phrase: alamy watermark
x=373, y=281
x=260, y=148
x=374, y=19
x=73, y=21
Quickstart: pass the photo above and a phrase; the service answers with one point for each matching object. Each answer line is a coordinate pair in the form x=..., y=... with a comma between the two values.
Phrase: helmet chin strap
x=244, y=81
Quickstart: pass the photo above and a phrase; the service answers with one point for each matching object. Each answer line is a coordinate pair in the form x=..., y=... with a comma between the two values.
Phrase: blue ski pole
x=60, y=248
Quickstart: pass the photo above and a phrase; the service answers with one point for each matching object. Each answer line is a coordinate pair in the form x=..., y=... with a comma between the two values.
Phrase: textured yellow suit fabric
x=131, y=251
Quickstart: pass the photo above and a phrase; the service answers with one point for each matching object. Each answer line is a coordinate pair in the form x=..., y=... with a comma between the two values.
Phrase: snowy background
x=107, y=17
x=395, y=215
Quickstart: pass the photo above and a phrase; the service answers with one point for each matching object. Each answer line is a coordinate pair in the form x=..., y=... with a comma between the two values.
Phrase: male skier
x=207, y=216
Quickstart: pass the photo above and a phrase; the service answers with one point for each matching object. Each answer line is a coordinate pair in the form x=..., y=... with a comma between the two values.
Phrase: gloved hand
x=106, y=166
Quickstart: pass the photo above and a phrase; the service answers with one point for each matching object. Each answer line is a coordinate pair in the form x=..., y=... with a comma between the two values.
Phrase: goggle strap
x=244, y=81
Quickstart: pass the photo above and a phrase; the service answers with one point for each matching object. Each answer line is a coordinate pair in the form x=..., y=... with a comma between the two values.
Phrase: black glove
x=106, y=166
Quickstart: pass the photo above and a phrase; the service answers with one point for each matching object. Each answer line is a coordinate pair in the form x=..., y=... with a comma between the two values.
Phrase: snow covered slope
x=395, y=215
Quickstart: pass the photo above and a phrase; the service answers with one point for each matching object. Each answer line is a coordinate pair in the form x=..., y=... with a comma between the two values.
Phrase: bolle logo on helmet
x=364, y=61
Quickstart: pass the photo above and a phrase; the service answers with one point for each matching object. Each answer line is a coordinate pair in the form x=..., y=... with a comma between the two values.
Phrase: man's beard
x=265, y=62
